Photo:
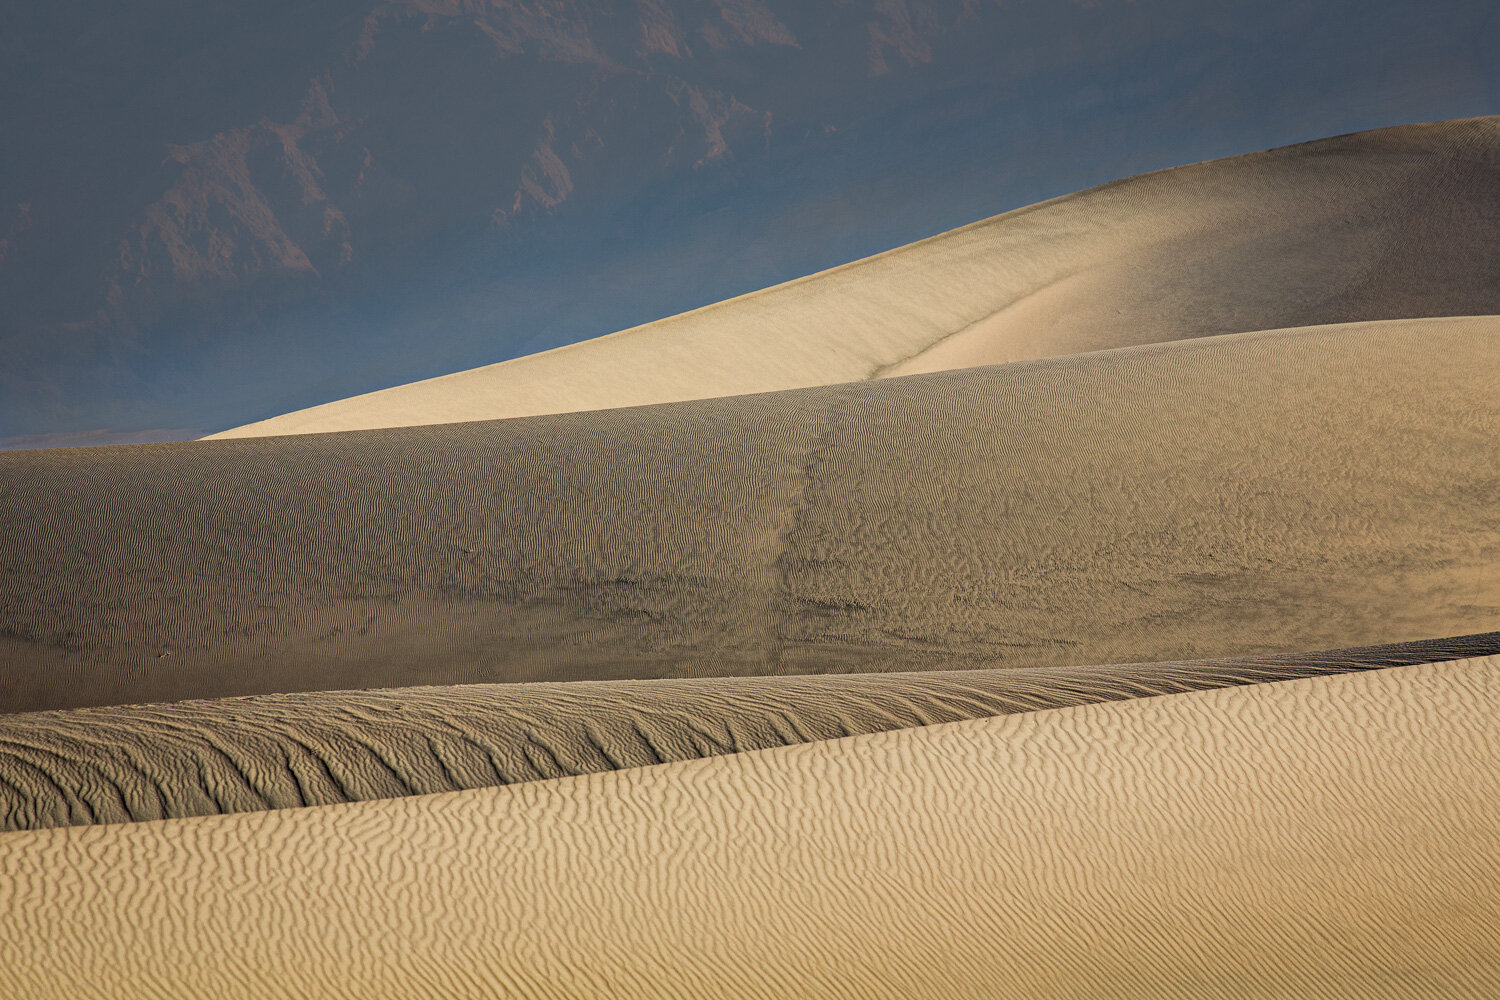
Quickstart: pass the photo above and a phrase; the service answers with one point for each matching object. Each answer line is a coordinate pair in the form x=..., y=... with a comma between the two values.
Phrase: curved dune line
x=1388, y=224
x=200, y=758
x=1330, y=837
x=1254, y=493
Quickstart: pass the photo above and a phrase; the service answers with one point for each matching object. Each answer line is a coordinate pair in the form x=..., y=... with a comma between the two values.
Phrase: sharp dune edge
x=1329, y=837
x=1394, y=223
x=148, y=762
x=808, y=718
x=1253, y=493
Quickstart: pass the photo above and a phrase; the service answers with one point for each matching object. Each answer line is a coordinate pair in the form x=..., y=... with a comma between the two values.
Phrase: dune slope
x=197, y=758
x=1330, y=837
x=1395, y=223
x=1269, y=492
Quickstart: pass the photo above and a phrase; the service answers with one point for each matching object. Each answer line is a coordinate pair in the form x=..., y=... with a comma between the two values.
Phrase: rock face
x=349, y=128
x=439, y=114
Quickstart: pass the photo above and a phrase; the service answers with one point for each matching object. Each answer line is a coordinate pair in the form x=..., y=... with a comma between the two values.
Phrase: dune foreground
x=1044, y=610
x=196, y=758
x=1330, y=837
x=1395, y=223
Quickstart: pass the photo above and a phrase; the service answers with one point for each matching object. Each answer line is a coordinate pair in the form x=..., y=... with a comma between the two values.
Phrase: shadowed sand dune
x=1329, y=837
x=199, y=758
x=1266, y=492
x=1123, y=437
x=1395, y=223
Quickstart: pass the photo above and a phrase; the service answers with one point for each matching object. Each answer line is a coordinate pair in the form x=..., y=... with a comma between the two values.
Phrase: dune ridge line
x=197, y=758
x=1332, y=836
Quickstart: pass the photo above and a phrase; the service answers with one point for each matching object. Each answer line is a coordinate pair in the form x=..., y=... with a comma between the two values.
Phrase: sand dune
x=1395, y=223
x=804, y=714
x=1269, y=492
x=1329, y=837
x=197, y=758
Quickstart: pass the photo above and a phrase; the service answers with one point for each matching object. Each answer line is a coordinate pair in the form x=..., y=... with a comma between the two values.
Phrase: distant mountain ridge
x=558, y=96
x=213, y=212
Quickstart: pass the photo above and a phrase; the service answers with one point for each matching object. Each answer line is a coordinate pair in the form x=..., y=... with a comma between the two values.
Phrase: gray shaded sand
x=1257, y=493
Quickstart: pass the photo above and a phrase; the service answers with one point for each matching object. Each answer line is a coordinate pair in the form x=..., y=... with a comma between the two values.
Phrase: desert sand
x=1254, y=493
x=1395, y=223
x=198, y=758
x=1330, y=837
x=780, y=686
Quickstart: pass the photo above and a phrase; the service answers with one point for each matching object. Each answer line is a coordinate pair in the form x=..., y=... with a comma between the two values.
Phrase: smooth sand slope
x=200, y=758
x=1269, y=492
x=1329, y=837
x=1395, y=223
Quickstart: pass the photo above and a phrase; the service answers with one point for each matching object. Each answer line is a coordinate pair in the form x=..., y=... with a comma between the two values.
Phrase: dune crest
x=779, y=687
x=200, y=758
x=1255, y=493
x=1394, y=223
x=1332, y=837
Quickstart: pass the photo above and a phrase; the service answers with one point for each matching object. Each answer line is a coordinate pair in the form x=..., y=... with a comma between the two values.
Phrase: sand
x=200, y=758
x=1258, y=493
x=774, y=688
x=1388, y=224
x=1330, y=837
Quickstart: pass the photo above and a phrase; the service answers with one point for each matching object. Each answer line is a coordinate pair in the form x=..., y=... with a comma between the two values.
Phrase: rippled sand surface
x=197, y=758
x=1096, y=601
x=1267, y=492
x=1330, y=837
x=1394, y=223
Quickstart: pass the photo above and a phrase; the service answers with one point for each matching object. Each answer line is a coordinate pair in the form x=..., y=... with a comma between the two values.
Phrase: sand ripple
x=199, y=758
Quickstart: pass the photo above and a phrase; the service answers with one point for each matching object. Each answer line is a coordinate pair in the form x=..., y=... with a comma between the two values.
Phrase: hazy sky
x=214, y=212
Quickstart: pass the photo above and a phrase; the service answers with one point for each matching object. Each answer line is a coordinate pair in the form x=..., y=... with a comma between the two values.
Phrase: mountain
x=212, y=213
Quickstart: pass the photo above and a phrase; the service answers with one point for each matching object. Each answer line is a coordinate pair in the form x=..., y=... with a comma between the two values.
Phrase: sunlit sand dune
x=1328, y=837
x=199, y=758
x=1394, y=223
x=513, y=685
x=1267, y=492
